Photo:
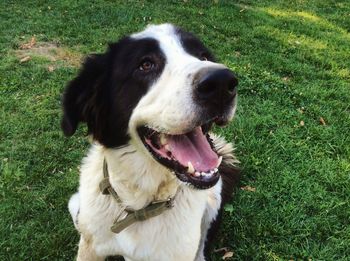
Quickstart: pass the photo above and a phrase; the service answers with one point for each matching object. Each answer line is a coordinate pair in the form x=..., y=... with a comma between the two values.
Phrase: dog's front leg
x=86, y=251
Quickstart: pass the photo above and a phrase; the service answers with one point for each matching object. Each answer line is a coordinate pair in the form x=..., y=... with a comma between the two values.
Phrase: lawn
x=292, y=130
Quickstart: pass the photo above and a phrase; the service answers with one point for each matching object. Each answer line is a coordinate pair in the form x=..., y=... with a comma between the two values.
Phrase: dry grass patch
x=51, y=51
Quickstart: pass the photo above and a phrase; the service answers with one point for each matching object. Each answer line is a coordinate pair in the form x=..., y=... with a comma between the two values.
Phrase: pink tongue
x=193, y=147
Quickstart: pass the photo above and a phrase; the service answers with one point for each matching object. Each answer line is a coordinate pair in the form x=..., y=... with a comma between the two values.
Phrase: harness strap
x=105, y=185
x=154, y=209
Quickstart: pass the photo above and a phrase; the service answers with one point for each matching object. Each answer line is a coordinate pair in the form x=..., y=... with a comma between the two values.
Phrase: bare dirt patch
x=50, y=51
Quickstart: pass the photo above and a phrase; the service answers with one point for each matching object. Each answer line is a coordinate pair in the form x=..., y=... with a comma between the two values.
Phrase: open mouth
x=191, y=156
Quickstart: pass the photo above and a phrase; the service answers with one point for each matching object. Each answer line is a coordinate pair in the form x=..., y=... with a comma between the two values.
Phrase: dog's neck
x=137, y=178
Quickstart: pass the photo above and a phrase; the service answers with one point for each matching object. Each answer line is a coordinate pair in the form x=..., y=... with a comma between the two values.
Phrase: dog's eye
x=146, y=66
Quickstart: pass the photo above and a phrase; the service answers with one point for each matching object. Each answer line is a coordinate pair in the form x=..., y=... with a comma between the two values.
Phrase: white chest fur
x=173, y=235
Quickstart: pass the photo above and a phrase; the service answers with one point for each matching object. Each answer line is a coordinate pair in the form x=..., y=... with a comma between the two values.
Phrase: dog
x=155, y=180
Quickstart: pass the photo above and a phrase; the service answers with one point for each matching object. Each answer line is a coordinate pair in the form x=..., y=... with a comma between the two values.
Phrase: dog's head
x=160, y=90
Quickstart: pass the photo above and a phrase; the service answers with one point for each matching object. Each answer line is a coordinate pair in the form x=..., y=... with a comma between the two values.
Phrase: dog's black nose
x=216, y=88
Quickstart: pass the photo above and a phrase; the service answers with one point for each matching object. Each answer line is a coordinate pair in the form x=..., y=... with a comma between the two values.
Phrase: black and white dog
x=149, y=102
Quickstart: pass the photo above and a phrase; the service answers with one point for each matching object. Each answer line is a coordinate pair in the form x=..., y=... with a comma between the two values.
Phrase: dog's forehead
x=166, y=35
x=155, y=31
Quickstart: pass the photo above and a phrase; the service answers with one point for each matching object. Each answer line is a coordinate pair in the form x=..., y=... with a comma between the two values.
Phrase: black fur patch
x=194, y=46
x=108, y=88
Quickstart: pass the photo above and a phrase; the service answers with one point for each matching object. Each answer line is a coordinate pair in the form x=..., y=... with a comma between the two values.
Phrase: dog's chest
x=173, y=235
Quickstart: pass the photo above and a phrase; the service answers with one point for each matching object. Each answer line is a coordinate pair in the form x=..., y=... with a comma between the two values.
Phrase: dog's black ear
x=79, y=96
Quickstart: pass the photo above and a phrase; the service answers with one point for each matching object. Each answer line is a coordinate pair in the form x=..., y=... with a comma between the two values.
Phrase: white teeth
x=167, y=147
x=163, y=140
x=219, y=161
x=207, y=174
x=190, y=167
x=202, y=174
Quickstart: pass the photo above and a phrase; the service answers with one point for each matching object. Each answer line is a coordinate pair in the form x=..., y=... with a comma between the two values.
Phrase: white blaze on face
x=168, y=106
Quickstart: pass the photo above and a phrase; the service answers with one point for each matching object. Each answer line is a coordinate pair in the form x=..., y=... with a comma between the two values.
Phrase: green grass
x=293, y=62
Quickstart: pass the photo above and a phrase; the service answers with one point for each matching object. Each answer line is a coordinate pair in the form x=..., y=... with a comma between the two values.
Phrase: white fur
x=73, y=206
x=174, y=235
x=178, y=233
